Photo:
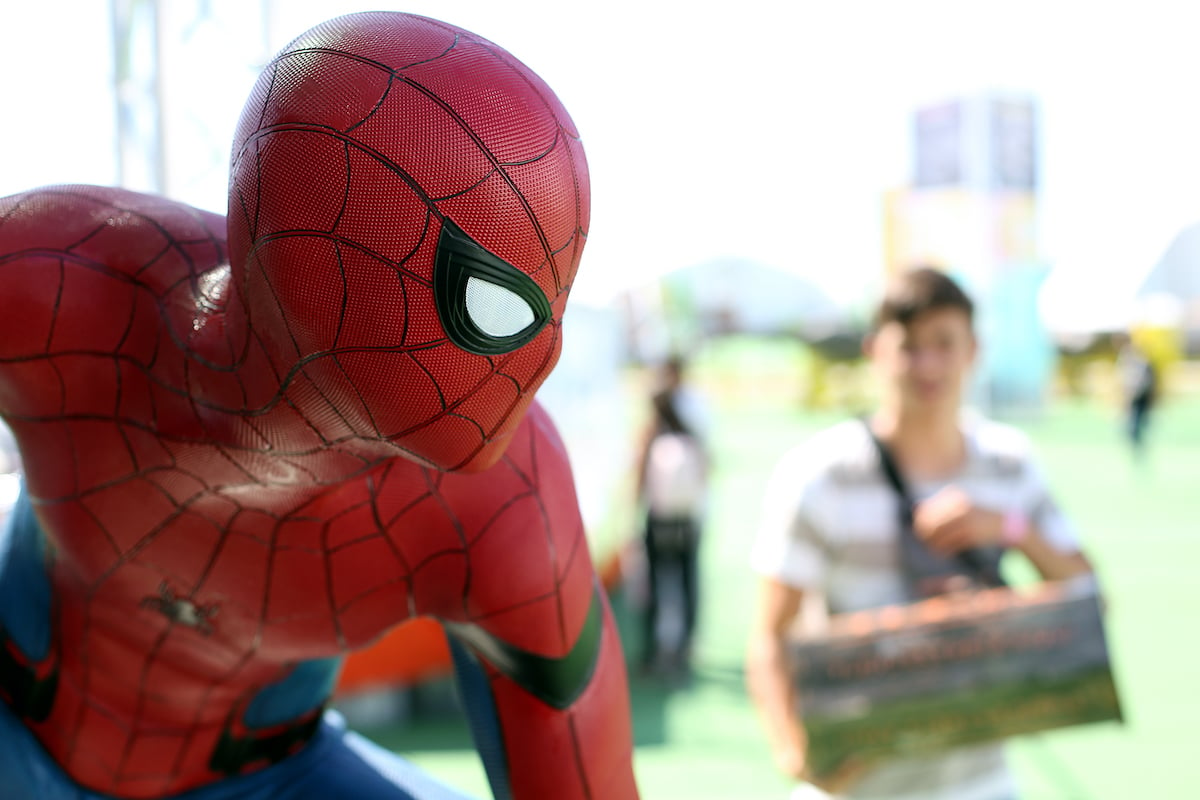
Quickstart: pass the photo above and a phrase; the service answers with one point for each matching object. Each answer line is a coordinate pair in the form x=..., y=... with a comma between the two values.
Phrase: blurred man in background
x=832, y=527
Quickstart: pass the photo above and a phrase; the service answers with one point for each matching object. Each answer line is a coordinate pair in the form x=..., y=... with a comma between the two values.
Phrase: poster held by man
x=953, y=670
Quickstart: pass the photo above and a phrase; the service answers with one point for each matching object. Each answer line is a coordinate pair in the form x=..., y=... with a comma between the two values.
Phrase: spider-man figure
x=253, y=444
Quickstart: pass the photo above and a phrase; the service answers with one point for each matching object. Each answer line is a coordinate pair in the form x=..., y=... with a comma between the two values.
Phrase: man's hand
x=792, y=760
x=949, y=522
x=791, y=753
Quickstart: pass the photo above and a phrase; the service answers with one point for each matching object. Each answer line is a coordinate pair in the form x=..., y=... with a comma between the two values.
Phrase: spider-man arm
x=546, y=726
x=538, y=658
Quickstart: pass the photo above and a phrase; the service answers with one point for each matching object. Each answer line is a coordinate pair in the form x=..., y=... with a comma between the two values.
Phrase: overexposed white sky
x=756, y=129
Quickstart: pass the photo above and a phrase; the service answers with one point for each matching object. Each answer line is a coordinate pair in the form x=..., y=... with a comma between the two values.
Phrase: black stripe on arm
x=557, y=682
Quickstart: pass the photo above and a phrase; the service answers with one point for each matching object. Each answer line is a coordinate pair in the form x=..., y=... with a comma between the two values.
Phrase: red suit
x=252, y=444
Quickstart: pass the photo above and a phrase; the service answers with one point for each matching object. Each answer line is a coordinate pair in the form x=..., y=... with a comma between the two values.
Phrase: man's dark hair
x=919, y=291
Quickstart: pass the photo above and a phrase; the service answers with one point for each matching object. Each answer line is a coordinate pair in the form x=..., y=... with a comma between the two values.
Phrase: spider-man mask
x=408, y=205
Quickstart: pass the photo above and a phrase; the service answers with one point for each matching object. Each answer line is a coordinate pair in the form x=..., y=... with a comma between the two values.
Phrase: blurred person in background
x=1140, y=390
x=830, y=527
x=672, y=488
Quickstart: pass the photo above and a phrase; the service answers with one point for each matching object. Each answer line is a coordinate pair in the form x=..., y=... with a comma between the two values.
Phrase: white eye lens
x=495, y=310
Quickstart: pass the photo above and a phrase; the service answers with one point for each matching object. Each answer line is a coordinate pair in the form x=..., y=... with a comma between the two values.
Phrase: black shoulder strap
x=894, y=479
x=918, y=561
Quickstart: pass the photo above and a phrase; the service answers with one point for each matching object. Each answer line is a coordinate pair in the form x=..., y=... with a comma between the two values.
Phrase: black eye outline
x=459, y=258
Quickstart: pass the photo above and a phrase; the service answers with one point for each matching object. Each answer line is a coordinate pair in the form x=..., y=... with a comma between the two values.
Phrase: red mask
x=408, y=206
